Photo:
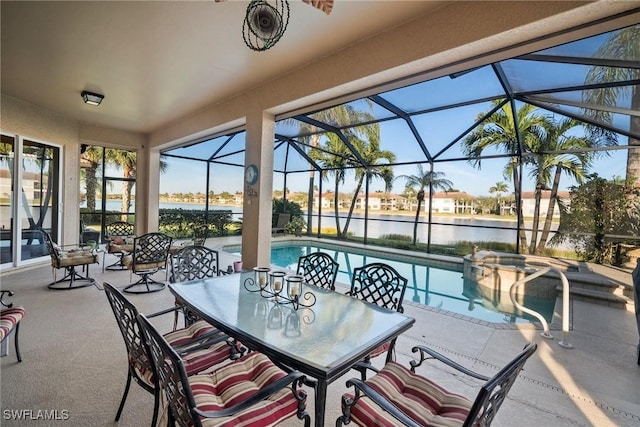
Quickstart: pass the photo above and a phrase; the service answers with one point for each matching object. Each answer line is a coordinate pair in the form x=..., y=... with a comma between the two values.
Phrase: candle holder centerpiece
x=280, y=287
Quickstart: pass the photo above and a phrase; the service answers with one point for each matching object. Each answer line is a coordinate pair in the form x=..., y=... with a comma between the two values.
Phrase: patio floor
x=74, y=360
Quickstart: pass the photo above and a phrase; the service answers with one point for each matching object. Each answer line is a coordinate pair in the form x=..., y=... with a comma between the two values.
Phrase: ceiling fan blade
x=324, y=5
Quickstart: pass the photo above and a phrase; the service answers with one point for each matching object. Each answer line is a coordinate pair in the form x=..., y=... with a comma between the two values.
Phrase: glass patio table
x=323, y=341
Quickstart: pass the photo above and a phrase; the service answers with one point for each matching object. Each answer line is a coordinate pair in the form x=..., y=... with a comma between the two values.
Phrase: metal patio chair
x=201, y=346
x=192, y=263
x=10, y=318
x=120, y=235
x=318, y=269
x=200, y=234
x=399, y=396
x=249, y=391
x=380, y=284
x=150, y=254
x=69, y=257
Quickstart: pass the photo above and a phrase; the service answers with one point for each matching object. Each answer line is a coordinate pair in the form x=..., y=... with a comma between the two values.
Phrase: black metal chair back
x=379, y=284
x=172, y=376
x=194, y=262
x=118, y=236
x=138, y=360
x=150, y=254
x=200, y=234
x=150, y=249
x=119, y=229
x=54, y=250
x=318, y=269
x=494, y=391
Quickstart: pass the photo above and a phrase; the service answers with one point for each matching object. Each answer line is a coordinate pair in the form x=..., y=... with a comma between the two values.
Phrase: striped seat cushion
x=195, y=361
x=236, y=382
x=183, y=336
x=380, y=350
x=198, y=361
x=9, y=318
x=419, y=398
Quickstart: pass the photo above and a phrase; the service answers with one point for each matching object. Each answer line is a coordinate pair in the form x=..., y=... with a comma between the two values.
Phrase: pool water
x=428, y=285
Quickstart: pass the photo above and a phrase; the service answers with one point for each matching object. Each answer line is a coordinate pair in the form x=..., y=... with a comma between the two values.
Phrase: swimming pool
x=441, y=287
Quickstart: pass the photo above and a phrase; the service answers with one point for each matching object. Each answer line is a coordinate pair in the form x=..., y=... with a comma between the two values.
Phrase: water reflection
x=430, y=285
x=445, y=230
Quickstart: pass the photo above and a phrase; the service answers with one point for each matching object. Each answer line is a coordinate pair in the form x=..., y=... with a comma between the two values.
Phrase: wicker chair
x=399, y=396
x=318, y=269
x=69, y=257
x=379, y=284
x=249, y=391
x=120, y=235
x=150, y=254
x=201, y=346
x=10, y=318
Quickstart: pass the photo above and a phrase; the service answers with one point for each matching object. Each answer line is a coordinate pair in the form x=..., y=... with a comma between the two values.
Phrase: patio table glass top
x=325, y=339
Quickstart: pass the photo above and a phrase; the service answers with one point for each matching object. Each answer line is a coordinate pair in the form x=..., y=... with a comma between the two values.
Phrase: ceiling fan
x=266, y=21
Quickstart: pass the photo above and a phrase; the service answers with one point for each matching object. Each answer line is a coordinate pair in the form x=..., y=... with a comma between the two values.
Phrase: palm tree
x=336, y=116
x=622, y=44
x=334, y=160
x=423, y=179
x=378, y=165
x=127, y=159
x=499, y=188
x=91, y=160
x=499, y=130
x=558, y=152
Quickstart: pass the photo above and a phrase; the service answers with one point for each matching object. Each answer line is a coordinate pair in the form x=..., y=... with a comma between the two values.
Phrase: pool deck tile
x=74, y=359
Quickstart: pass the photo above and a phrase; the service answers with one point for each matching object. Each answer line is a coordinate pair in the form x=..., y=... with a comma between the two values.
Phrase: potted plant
x=296, y=225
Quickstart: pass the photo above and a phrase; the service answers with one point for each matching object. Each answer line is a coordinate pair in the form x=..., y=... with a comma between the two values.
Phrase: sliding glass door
x=7, y=160
x=33, y=168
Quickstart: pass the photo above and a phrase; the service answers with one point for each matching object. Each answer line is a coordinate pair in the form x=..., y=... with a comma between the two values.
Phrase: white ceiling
x=156, y=61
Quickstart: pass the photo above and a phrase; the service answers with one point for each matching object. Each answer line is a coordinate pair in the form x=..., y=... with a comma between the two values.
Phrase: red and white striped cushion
x=198, y=361
x=195, y=361
x=236, y=382
x=419, y=398
x=9, y=318
x=183, y=336
x=380, y=350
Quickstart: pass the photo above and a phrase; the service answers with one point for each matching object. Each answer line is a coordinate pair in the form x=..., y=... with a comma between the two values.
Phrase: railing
x=565, y=304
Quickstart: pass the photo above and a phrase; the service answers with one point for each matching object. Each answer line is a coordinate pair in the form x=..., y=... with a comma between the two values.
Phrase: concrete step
x=597, y=297
x=598, y=283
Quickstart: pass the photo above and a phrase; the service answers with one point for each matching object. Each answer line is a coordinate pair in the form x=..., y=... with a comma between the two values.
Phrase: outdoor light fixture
x=92, y=98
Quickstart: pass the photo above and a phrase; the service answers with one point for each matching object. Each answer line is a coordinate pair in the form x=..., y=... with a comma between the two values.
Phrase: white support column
x=258, y=188
x=147, y=189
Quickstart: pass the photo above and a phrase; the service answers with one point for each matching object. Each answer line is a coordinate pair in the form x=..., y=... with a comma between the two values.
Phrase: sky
x=438, y=128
